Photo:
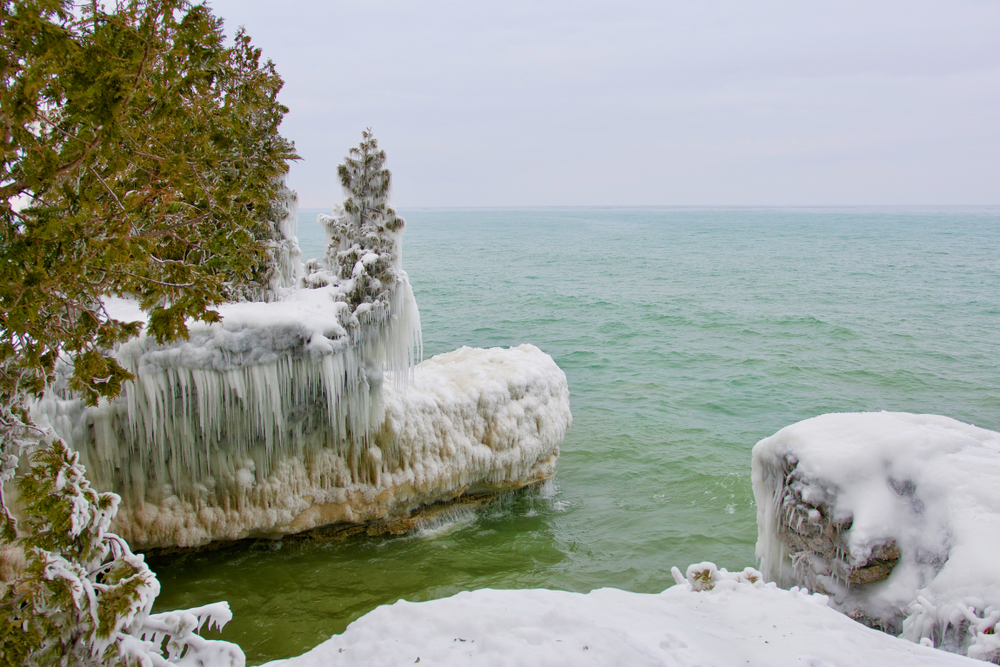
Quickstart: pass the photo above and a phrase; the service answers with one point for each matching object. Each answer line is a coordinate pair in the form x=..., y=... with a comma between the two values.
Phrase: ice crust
x=208, y=418
x=928, y=484
x=732, y=620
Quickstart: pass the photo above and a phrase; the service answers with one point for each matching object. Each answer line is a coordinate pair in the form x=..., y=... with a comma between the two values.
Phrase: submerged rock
x=894, y=516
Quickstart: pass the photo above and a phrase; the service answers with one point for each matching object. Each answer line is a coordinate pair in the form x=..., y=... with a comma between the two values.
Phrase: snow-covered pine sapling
x=702, y=576
x=366, y=183
x=363, y=239
x=84, y=597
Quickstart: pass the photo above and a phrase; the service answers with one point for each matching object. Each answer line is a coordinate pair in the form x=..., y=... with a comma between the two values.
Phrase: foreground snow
x=896, y=515
x=737, y=622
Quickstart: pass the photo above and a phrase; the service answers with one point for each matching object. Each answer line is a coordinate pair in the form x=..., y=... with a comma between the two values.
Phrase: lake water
x=687, y=335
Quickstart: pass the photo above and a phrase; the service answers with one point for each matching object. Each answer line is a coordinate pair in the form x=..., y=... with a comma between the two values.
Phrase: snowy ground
x=737, y=622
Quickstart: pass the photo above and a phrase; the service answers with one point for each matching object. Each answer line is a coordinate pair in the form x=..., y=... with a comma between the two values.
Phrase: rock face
x=894, y=516
x=817, y=544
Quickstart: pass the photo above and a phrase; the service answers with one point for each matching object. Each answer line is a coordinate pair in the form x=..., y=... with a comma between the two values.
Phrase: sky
x=582, y=103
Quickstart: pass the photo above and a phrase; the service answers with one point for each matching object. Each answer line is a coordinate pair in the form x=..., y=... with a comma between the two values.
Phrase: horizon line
x=663, y=206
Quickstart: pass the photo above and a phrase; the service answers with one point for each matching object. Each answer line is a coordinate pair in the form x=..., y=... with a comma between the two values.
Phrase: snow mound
x=727, y=619
x=895, y=515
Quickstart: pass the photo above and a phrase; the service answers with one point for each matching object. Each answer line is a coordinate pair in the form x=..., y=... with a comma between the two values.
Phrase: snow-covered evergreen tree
x=140, y=156
x=364, y=234
x=84, y=598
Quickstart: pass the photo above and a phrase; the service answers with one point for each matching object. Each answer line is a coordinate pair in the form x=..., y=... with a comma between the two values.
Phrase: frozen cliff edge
x=712, y=618
x=896, y=516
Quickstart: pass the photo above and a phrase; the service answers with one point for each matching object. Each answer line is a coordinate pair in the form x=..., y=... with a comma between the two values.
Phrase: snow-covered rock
x=470, y=421
x=896, y=516
x=309, y=408
x=712, y=618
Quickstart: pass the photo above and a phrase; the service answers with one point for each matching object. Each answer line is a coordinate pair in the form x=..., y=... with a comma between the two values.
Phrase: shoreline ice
x=308, y=407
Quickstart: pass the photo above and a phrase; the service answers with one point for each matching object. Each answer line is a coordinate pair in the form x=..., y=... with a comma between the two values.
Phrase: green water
x=687, y=335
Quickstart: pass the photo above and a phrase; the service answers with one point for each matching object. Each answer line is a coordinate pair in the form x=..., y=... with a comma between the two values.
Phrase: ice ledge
x=470, y=421
x=896, y=516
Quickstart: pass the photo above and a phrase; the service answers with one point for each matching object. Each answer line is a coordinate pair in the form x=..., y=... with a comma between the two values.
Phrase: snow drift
x=712, y=618
x=896, y=516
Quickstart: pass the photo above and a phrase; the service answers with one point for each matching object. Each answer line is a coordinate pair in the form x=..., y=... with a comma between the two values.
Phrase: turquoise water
x=687, y=335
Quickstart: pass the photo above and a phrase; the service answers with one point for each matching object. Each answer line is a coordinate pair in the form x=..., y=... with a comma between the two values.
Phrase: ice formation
x=895, y=515
x=712, y=618
x=309, y=408
x=285, y=247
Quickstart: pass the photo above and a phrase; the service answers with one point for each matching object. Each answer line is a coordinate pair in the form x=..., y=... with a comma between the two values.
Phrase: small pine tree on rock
x=366, y=183
x=364, y=235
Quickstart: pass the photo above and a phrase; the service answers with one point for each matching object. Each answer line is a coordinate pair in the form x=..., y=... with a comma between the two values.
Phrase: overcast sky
x=642, y=103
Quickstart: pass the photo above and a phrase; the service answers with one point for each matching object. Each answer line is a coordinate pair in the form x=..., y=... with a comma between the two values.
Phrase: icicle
x=185, y=423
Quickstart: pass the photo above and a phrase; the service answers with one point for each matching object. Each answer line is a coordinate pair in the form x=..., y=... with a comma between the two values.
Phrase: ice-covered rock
x=307, y=407
x=266, y=430
x=711, y=618
x=896, y=516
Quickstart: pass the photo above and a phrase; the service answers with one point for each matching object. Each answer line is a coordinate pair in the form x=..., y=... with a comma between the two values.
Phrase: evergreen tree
x=364, y=238
x=150, y=156
x=366, y=183
x=139, y=156
x=85, y=598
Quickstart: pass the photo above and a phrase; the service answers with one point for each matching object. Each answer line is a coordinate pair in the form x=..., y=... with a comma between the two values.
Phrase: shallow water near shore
x=687, y=335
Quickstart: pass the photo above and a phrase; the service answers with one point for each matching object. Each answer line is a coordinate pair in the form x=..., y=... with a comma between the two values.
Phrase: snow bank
x=895, y=515
x=732, y=620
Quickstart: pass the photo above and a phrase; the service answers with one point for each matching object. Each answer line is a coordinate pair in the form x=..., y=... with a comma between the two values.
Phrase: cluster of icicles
x=217, y=427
